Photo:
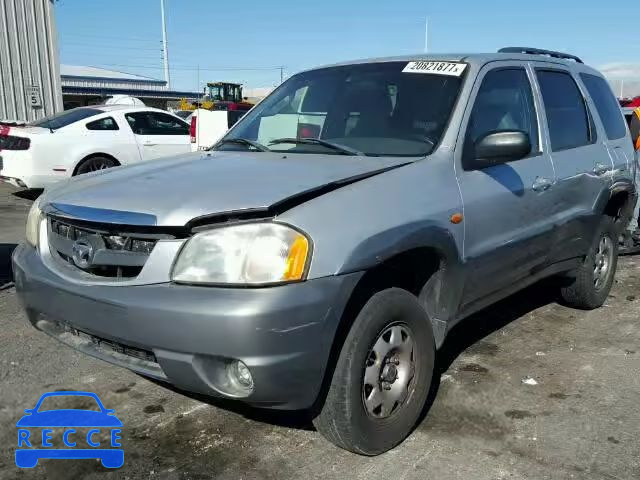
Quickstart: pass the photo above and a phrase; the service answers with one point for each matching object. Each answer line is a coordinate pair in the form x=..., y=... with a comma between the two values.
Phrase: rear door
x=582, y=163
x=612, y=122
x=159, y=134
x=506, y=207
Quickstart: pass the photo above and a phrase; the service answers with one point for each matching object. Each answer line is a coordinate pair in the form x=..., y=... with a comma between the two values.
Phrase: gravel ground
x=576, y=417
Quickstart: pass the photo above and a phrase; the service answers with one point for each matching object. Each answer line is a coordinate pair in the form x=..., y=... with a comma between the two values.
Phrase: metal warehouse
x=30, y=80
x=83, y=86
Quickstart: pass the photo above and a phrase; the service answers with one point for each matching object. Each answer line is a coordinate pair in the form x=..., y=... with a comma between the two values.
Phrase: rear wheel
x=94, y=164
x=589, y=285
x=382, y=377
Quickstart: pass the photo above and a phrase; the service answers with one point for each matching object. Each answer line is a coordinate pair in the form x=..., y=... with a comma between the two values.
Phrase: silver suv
x=317, y=257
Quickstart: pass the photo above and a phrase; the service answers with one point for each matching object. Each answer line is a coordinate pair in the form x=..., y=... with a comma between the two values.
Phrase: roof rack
x=539, y=51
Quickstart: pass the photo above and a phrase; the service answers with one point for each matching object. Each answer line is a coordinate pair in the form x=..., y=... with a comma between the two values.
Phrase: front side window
x=107, y=123
x=65, y=118
x=606, y=104
x=567, y=117
x=504, y=102
x=376, y=109
x=156, y=123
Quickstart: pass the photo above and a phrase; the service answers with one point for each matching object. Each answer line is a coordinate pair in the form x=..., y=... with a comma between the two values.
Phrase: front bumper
x=283, y=334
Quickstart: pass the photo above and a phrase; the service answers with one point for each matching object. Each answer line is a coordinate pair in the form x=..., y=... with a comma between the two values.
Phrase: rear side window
x=103, y=124
x=606, y=104
x=65, y=118
x=155, y=123
x=567, y=117
x=504, y=102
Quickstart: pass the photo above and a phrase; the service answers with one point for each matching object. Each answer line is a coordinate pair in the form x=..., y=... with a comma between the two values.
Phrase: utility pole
x=165, y=52
x=426, y=35
x=198, y=80
x=281, y=73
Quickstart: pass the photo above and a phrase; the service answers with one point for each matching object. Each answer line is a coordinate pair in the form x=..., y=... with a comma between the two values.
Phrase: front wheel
x=589, y=285
x=382, y=377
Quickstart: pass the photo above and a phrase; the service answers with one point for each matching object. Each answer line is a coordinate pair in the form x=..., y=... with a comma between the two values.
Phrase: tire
x=345, y=419
x=93, y=164
x=586, y=290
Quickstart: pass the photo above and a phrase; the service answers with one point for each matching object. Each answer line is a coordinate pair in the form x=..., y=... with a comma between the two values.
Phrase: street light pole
x=165, y=52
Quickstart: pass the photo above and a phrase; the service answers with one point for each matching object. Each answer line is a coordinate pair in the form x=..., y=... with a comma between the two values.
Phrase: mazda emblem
x=82, y=253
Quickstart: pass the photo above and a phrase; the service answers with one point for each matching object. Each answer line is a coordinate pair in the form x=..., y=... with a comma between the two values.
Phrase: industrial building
x=30, y=80
x=83, y=86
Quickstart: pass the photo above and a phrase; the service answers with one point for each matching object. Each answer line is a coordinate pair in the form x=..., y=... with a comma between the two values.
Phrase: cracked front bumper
x=184, y=334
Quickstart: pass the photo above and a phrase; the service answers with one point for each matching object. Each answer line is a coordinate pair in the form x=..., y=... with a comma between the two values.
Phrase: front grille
x=101, y=250
x=104, y=344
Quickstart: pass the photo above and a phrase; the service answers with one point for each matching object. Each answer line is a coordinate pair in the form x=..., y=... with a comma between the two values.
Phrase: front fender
x=386, y=244
x=442, y=294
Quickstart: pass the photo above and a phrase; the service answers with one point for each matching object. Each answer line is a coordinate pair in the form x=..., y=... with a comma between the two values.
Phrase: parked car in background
x=319, y=255
x=86, y=139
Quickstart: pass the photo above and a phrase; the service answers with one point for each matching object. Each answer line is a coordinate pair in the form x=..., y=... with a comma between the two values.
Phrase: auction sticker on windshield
x=453, y=69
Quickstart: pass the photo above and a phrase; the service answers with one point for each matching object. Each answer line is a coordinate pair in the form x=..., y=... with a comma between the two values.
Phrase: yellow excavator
x=219, y=96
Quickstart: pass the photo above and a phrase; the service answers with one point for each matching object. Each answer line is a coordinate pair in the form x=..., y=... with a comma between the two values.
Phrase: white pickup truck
x=208, y=126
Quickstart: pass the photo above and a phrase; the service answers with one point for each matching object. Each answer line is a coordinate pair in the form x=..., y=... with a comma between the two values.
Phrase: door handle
x=600, y=169
x=541, y=184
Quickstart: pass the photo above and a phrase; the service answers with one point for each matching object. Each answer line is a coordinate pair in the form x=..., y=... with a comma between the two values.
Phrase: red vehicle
x=630, y=103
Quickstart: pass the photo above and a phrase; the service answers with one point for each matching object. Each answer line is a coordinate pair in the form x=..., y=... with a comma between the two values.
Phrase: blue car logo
x=29, y=442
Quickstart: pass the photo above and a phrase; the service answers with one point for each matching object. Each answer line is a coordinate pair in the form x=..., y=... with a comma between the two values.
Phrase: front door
x=159, y=134
x=507, y=226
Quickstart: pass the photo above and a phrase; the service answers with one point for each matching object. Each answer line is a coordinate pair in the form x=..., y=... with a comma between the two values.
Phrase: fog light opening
x=240, y=376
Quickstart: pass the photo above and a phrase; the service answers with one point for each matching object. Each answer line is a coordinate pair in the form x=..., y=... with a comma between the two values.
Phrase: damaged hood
x=177, y=190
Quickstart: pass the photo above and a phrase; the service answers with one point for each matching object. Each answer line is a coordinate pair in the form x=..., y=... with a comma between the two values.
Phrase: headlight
x=33, y=224
x=248, y=254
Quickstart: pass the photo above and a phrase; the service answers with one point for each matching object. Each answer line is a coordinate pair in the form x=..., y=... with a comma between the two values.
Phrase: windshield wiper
x=242, y=141
x=316, y=141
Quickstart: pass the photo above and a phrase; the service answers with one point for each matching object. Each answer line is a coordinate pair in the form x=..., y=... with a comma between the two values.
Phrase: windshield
x=65, y=118
x=216, y=93
x=374, y=108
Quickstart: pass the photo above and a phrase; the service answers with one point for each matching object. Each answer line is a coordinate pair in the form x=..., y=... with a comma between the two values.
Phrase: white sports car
x=86, y=139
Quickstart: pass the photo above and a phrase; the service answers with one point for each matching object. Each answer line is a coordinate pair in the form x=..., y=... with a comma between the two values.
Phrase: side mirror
x=497, y=148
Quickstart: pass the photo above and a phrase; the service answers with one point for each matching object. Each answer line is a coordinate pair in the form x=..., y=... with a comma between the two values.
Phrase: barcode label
x=436, y=68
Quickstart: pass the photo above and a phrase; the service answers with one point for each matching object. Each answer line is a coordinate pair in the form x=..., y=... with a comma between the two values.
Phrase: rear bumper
x=17, y=168
x=29, y=181
x=283, y=334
